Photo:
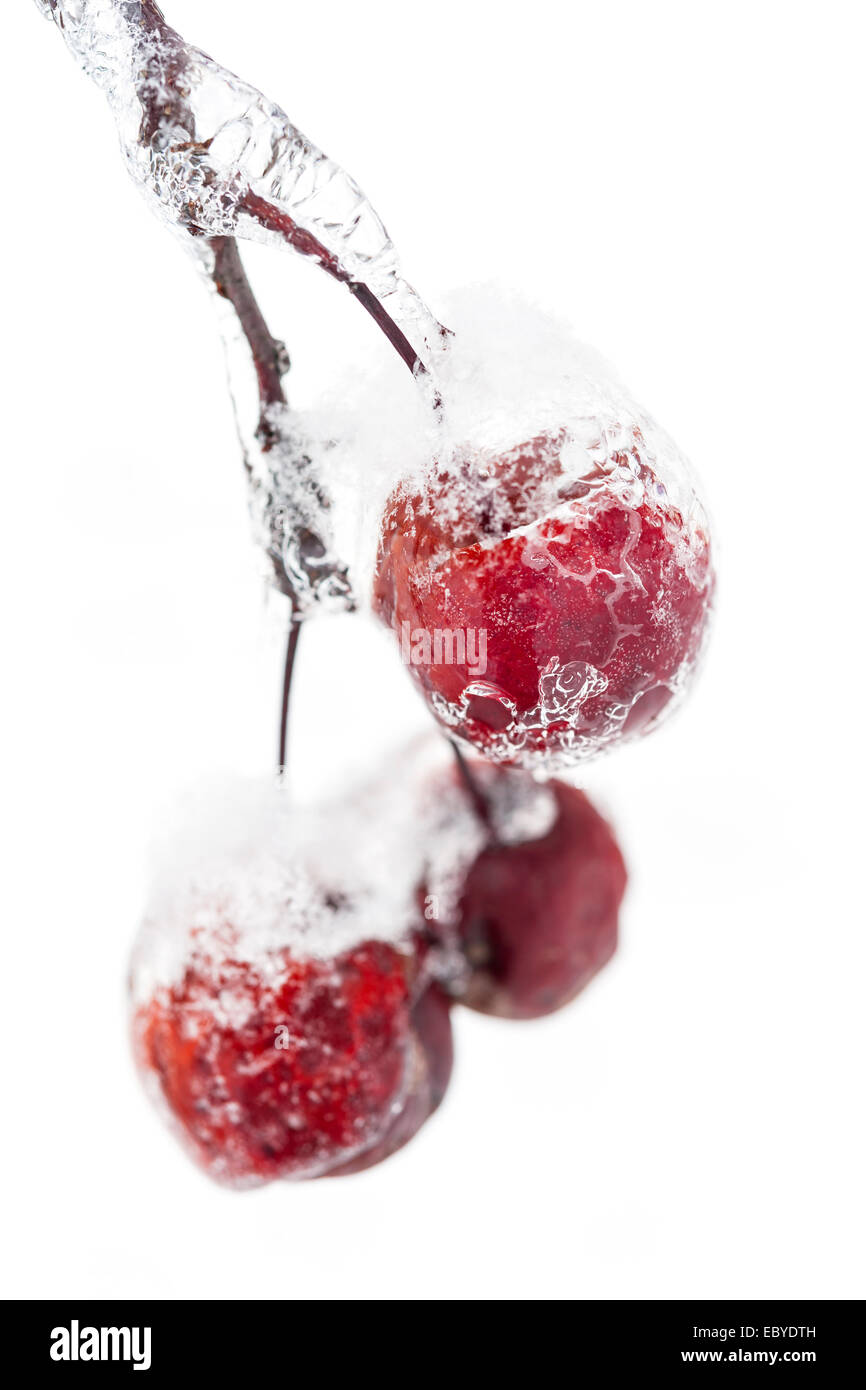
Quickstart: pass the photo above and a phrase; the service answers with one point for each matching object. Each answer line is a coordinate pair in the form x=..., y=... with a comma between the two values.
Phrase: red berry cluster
x=296, y=1026
x=278, y=1056
x=320, y=1046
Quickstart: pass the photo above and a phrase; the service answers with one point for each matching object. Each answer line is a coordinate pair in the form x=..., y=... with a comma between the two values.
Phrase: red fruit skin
x=537, y=920
x=430, y=1071
x=614, y=593
x=363, y=1069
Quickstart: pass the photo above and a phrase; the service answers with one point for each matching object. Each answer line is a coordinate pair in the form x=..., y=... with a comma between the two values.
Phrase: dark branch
x=288, y=672
x=268, y=353
x=275, y=220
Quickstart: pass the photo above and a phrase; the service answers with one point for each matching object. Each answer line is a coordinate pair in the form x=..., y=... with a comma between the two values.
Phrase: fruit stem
x=480, y=802
x=273, y=219
x=288, y=672
x=271, y=363
x=268, y=353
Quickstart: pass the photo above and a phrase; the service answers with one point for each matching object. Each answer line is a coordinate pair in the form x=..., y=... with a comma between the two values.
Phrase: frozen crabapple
x=294, y=1068
x=536, y=913
x=576, y=587
x=282, y=1035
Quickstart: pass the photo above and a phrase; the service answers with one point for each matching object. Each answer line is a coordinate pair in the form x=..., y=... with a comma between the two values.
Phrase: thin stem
x=275, y=220
x=270, y=359
x=396, y=337
x=288, y=672
x=271, y=363
x=480, y=802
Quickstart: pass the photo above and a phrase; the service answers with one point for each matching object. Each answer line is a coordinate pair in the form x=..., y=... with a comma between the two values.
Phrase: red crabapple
x=285, y=1011
x=567, y=567
x=537, y=916
x=284, y=1067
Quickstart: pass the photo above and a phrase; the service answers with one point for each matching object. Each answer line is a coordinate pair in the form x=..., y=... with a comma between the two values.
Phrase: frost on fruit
x=284, y=1011
x=546, y=509
x=319, y=879
x=217, y=160
x=291, y=980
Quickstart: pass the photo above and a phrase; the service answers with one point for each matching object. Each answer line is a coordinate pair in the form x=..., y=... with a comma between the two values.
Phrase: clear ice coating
x=217, y=160
x=554, y=518
x=290, y=508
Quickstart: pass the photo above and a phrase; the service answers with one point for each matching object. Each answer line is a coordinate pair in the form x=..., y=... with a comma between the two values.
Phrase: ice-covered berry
x=285, y=1012
x=551, y=599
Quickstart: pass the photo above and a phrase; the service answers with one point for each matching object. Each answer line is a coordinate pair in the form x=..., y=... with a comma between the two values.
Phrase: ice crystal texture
x=314, y=879
x=217, y=159
x=307, y=879
x=290, y=508
x=547, y=512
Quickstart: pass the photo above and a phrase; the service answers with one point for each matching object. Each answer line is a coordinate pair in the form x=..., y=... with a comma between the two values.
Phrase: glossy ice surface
x=216, y=159
x=590, y=585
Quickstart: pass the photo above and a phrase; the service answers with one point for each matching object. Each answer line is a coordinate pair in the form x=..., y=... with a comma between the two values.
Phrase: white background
x=684, y=183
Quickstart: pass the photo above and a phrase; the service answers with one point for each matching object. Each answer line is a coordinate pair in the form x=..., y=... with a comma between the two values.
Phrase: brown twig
x=275, y=220
x=269, y=355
